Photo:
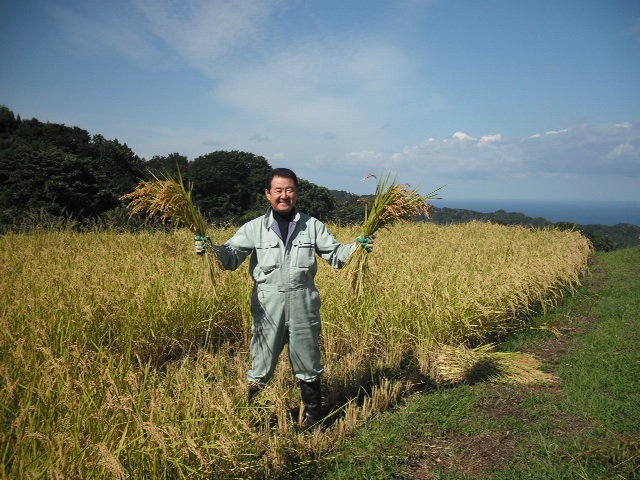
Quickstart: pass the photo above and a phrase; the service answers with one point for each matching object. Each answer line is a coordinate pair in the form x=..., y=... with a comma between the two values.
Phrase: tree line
x=51, y=171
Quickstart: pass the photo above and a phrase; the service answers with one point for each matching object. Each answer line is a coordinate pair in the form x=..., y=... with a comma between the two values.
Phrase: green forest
x=52, y=172
x=49, y=171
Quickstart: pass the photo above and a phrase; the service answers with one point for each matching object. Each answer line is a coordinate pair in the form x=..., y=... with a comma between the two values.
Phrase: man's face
x=282, y=195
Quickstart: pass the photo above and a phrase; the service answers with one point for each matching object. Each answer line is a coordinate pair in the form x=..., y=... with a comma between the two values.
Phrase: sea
x=582, y=212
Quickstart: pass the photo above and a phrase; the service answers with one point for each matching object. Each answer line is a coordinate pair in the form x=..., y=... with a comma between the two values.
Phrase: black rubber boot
x=311, y=393
x=254, y=389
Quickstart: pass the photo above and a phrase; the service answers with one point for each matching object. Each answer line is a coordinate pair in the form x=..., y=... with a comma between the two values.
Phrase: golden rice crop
x=117, y=359
x=447, y=285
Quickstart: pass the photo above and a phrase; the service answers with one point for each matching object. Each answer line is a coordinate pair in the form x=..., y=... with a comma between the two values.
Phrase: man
x=285, y=304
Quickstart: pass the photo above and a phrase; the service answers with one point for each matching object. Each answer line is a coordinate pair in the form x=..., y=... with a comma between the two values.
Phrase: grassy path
x=584, y=425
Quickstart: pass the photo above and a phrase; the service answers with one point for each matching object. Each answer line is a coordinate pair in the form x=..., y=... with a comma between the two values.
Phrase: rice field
x=122, y=358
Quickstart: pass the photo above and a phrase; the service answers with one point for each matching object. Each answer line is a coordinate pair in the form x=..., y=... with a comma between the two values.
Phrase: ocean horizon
x=583, y=212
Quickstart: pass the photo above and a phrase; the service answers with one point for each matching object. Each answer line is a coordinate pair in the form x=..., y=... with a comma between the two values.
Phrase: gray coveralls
x=285, y=303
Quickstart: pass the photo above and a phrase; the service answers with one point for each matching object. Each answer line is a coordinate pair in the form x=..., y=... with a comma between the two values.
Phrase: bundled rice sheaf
x=451, y=364
x=171, y=201
x=393, y=202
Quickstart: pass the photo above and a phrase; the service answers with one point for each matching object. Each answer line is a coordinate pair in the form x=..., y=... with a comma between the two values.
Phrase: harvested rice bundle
x=393, y=202
x=170, y=200
x=449, y=365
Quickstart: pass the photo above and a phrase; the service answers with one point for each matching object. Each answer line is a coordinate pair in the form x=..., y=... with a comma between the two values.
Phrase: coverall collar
x=271, y=223
x=269, y=219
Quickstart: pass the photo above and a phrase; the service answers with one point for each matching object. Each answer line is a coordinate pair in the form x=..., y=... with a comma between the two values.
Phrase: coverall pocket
x=268, y=254
x=305, y=254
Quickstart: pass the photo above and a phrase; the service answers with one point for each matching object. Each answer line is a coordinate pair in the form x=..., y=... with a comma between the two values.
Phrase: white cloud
x=90, y=30
x=321, y=86
x=463, y=137
x=624, y=150
x=324, y=86
x=325, y=93
x=320, y=101
x=580, y=150
x=206, y=32
x=489, y=138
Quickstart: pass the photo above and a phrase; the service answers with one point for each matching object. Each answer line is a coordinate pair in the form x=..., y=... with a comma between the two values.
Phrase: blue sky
x=494, y=99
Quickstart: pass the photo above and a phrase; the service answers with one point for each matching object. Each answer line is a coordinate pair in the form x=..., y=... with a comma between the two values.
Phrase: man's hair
x=281, y=172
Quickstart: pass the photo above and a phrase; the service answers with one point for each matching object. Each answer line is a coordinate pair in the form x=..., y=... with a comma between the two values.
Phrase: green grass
x=585, y=425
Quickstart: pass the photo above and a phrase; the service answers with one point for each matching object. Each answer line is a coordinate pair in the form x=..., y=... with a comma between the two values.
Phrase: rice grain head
x=169, y=199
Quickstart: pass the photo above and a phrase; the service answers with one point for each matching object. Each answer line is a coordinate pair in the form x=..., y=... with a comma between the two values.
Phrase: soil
x=481, y=455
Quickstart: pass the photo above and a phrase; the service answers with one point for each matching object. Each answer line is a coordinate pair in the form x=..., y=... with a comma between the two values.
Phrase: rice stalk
x=450, y=365
x=393, y=203
x=518, y=367
x=172, y=202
